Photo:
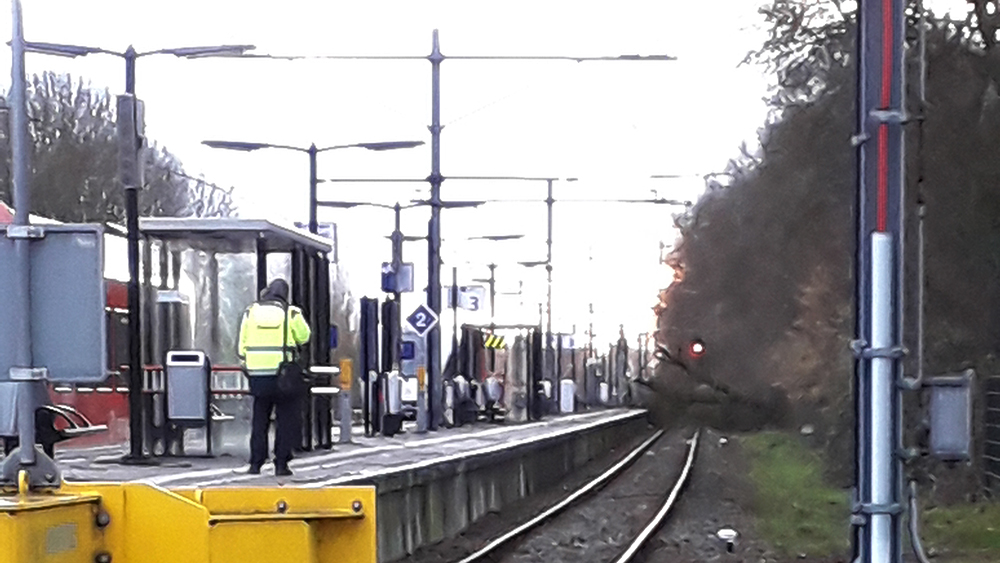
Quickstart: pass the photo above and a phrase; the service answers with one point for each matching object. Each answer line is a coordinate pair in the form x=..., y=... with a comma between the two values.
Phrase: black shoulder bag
x=291, y=377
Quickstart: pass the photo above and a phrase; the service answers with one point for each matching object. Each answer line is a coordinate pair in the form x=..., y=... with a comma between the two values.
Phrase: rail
x=657, y=521
x=589, y=487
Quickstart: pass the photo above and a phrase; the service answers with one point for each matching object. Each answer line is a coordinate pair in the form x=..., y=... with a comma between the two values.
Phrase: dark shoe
x=254, y=469
x=282, y=470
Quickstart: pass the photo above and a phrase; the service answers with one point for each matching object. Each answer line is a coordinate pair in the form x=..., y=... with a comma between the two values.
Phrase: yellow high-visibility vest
x=262, y=333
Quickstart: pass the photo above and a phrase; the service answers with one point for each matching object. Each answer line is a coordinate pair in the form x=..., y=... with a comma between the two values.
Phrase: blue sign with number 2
x=422, y=319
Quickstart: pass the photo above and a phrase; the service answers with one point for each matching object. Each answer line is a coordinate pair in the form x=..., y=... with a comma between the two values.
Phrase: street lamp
x=312, y=151
x=130, y=113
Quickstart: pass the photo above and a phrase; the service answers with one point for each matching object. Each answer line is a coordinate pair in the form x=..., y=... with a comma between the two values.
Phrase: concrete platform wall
x=422, y=505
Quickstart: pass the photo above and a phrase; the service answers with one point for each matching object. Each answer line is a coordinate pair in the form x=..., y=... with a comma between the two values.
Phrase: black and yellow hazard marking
x=493, y=341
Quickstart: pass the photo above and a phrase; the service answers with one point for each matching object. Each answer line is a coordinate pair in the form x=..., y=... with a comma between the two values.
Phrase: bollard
x=344, y=398
x=421, y=400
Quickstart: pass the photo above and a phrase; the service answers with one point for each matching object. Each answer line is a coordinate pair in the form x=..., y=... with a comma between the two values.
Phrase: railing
x=227, y=382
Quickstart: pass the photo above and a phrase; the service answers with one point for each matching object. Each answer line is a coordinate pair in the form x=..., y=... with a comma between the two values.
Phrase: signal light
x=696, y=348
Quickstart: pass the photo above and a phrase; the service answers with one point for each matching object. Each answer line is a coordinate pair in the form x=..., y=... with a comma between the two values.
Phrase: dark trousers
x=267, y=397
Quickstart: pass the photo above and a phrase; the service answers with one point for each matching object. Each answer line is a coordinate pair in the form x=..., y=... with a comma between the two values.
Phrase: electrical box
x=951, y=416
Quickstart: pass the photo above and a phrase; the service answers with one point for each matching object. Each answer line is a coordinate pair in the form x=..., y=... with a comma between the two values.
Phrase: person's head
x=276, y=291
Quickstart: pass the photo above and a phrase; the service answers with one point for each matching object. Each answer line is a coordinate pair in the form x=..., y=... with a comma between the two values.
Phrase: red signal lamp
x=696, y=348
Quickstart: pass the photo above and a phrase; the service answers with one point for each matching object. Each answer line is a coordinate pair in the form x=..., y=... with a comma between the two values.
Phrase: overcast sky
x=610, y=124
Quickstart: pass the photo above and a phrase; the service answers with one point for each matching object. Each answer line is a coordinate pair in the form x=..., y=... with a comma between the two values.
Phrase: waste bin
x=187, y=382
x=188, y=375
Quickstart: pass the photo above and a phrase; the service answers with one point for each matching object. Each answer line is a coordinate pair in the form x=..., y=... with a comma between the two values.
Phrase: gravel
x=600, y=527
x=493, y=524
x=719, y=495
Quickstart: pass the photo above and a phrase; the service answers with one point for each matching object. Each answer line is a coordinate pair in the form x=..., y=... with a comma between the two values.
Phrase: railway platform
x=428, y=486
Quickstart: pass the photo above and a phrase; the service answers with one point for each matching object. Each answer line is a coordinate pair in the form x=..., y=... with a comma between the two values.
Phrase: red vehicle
x=107, y=402
x=104, y=404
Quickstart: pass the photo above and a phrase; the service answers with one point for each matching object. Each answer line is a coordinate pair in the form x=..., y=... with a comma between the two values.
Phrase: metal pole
x=640, y=353
x=880, y=269
x=880, y=442
x=344, y=401
x=590, y=333
x=559, y=353
x=454, y=325
x=860, y=548
x=313, y=224
x=493, y=313
x=548, y=304
x=572, y=356
x=397, y=264
x=434, y=239
x=131, y=182
x=493, y=296
x=261, y=267
x=21, y=290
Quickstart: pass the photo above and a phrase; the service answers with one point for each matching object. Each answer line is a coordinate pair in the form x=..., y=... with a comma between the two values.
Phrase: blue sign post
x=422, y=319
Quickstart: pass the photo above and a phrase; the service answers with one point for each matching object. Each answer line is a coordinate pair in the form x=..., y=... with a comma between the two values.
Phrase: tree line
x=765, y=261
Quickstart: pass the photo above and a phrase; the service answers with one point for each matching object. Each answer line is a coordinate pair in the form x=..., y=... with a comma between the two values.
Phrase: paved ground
x=363, y=458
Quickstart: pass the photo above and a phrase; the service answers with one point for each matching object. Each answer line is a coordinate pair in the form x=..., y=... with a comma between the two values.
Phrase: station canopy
x=232, y=235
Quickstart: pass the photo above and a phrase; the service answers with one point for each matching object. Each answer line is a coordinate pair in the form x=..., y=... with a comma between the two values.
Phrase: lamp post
x=547, y=365
x=312, y=151
x=397, y=255
x=130, y=121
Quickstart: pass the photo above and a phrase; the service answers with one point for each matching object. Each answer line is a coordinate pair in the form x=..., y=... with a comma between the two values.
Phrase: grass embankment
x=969, y=532
x=797, y=512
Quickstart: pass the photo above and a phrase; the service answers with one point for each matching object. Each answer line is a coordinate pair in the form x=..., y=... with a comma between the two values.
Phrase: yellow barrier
x=140, y=523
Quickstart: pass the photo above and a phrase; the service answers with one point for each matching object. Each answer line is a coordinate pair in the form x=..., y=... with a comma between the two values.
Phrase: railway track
x=492, y=550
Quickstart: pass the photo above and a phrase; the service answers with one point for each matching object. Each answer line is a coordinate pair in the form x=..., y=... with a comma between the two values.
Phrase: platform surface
x=365, y=457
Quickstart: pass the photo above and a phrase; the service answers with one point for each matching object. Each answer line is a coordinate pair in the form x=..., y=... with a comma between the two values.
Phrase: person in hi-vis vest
x=263, y=337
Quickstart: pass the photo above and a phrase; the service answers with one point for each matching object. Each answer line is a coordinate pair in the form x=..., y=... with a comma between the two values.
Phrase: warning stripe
x=493, y=341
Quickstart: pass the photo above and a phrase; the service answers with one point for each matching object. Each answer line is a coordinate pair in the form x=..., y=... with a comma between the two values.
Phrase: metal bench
x=219, y=416
x=79, y=424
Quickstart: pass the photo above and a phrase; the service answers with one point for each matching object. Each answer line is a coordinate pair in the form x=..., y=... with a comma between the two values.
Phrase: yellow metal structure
x=141, y=523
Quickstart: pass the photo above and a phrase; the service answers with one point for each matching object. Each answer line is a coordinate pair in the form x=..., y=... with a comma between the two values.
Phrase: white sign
x=470, y=297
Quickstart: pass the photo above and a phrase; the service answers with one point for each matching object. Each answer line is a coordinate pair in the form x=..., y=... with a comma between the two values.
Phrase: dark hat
x=277, y=291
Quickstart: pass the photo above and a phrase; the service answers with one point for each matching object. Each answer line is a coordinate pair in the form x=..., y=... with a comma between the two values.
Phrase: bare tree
x=75, y=161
